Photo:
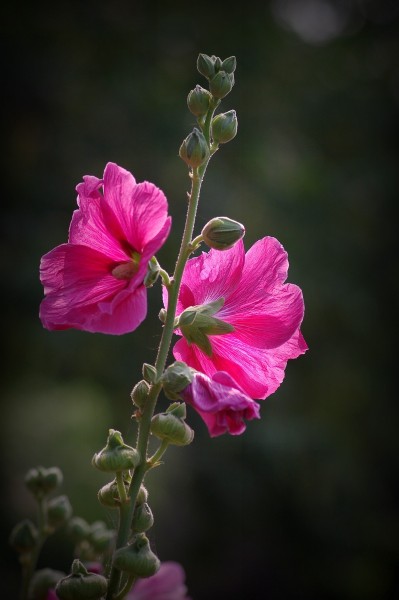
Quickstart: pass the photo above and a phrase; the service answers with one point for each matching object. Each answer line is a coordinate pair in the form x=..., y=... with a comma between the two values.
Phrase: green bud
x=108, y=495
x=162, y=315
x=81, y=585
x=206, y=65
x=221, y=84
x=229, y=65
x=137, y=558
x=221, y=233
x=194, y=149
x=224, y=127
x=142, y=496
x=198, y=101
x=102, y=539
x=170, y=426
x=24, y=536
x=197, y=323
x=41, y=481
x=116, y=456
x=143, y=518
x=42, y=581
x=59, y=510
x=149, y=373
x=78, y=529
x=152, y=274
x=175, y=378
x=139, y=393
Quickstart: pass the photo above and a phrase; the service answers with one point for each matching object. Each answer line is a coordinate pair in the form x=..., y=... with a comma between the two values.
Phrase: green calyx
x=116, y=456
x=143, y=519
x=175, y=378
x=42, y=581
x=59, y=510
x=224, y=127
x=197, y=322
x=137, y=558
x=171, y=427
x=198, y=101
x=81, y=585
x=194, y=149
x=24, y=536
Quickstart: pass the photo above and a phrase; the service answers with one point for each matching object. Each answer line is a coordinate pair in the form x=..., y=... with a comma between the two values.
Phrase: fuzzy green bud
x=224, y=127
x=194, y=149
x=171, y=427
x=102, y=539
x=175, y=378
x=139, y=393
x=108, y=495
x=78, y=529
x=81, y=585
x=59, y=510
x=221, y=233
x=116, y=456
x=42, y=581
x=221, y=84
x=24, y=536
x=149, y=373
x=143, y=518
x=142, y=496
x=206, y=65
x=137, y=558
x=41, y=481
x=198, y=101
x=197, y=323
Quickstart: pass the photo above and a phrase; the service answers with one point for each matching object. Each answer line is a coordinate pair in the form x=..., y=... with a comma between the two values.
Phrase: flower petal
x=81, y=293
x=166, y=584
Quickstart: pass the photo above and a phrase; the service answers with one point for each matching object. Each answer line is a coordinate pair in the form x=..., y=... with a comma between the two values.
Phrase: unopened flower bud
x=102, y=539
x=139, y=393
x=229, y=65
x=24, y=536
x=194, y=149
x=162, y=315
x=197, y=323
x=137, y=558
x=116, y=456
x=221, y=233
x=142, y=496
x=81, y=585
x=149, y=373
x=152, y=274
x=41, y=481
x=224, y=127
x=175, y=378
x=78, y=529
x=170, y=426
x=59, y=510
x=143, y=518
x=42, y=581
x=198, y=101
x=206, y=65
x=221, y=84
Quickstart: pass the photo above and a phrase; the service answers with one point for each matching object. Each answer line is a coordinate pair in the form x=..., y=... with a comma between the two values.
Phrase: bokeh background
x=305, y=504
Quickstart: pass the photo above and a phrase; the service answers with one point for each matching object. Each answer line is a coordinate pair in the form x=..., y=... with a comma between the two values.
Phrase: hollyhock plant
x=261, y=314
x=95, y=282
x=221, y=403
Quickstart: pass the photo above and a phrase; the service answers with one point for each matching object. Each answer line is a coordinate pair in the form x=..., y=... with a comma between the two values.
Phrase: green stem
x=127, y=510
x=159, y=453
x=121, y=486
x=126, y=588
x=30, y=566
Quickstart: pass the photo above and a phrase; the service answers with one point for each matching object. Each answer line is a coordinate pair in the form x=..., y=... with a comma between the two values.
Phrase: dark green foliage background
x=305, y=504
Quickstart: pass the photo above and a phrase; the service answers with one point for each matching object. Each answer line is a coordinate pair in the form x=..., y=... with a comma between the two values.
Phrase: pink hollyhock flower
x=166, y=584
x=220, y=401
x=95, y=281
x=265, y=314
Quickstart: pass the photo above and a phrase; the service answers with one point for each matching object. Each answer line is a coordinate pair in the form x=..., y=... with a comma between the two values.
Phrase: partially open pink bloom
x=95, y=281
x=265, y=312
x=221, y=402
x=166, y=584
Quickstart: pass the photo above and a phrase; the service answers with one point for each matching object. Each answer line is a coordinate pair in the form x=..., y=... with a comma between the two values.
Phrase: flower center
x=128, y=269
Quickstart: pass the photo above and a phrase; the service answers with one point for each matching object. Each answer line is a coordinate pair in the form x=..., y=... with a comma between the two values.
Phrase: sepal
x=137, y=558
x=41, y=481
x=116, y=455
x=221, y=233
x=171, y=427
x=81, y=585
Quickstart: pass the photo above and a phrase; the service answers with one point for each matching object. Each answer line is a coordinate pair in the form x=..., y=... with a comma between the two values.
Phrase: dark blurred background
x=305, y=503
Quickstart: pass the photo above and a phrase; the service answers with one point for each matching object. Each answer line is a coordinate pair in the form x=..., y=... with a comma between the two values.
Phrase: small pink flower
x=95, y=281
x=220, y=401
x=166, y=584
x=265, y=312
